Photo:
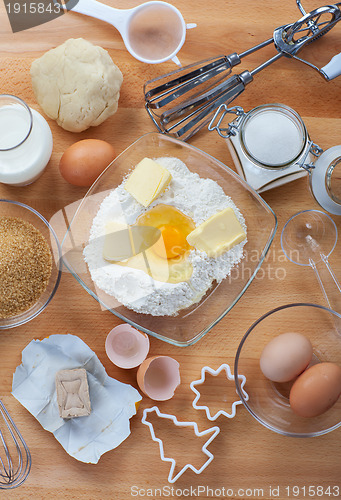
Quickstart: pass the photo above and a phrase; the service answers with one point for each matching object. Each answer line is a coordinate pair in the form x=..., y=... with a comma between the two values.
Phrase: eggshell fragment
x=316, y=390
x=286, y=356
x=85, y=160
x=158, y=377
x=126, y=347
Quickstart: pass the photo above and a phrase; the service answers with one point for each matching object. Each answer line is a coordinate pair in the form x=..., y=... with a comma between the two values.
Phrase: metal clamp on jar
x=270, y=146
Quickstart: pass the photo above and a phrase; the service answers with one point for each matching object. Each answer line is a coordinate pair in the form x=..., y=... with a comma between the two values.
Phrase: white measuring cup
x=152, y=32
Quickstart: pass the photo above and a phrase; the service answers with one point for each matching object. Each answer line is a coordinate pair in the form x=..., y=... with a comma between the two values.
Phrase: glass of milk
x=25, y=142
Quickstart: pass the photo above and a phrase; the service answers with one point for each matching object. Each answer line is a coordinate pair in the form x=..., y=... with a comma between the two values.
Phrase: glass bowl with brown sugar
x=30, y=264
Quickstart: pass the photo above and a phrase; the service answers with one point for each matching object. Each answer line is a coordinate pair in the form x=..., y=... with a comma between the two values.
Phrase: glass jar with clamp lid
x=270, y=146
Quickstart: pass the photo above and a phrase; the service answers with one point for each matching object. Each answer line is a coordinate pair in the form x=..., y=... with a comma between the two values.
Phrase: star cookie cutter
x=215, y=431
x=229, y=376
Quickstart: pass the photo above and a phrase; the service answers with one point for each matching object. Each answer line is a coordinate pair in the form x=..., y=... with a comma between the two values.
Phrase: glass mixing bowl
x=194, y=322
x=10, y=208
x=268, y=401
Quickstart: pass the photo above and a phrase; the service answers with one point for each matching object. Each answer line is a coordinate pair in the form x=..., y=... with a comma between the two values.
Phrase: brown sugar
x=25, y=265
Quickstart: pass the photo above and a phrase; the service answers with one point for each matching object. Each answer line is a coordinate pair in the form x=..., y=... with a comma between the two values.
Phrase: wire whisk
x=15, y=457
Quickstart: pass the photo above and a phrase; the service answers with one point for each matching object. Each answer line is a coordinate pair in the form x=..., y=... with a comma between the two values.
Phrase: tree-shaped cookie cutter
x=214, y=430
x=229, y=376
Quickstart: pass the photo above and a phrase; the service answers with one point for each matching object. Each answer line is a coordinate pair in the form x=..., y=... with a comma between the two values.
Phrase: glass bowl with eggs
x=168, y=239
x=30, y=263
x=291, y=358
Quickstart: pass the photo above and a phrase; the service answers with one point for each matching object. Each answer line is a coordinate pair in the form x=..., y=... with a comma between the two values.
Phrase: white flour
x=197, y=198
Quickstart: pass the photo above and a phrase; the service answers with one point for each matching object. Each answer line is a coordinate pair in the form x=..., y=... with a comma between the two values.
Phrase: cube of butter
x=121, y=242
x=117, y=242
x=147, y=181
x=219, y=233
x=73, y=393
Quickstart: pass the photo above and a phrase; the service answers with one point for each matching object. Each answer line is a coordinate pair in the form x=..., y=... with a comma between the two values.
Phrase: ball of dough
x=77, y=84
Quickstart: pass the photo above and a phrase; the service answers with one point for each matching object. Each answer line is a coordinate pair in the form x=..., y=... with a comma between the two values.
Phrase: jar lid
x=325, y=180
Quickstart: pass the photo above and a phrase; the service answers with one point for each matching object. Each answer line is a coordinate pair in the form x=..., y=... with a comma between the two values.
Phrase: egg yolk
x=156, y=244
x=172, y=241
x=174, y=227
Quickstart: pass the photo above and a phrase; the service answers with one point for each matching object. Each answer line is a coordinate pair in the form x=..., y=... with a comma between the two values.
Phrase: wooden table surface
x=249, y=459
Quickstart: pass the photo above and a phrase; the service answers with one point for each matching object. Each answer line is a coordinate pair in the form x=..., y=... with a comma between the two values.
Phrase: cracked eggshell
x=158, y=377
x=126, y=347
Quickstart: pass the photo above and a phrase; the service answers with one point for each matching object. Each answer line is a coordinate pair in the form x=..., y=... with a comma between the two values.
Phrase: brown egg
x=286, y=356
x=316, y=390
x=158, y=377
x=85, y=160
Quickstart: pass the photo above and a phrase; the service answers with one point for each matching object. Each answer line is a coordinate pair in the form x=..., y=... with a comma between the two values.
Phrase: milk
x=25, y=162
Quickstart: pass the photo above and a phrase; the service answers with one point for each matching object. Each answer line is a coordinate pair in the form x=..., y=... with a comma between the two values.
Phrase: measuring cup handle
x=328, y=282
x=333, y=68
x=98, y=10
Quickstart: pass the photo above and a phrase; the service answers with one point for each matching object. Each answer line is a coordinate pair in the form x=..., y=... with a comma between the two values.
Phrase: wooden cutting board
x=250, y=461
